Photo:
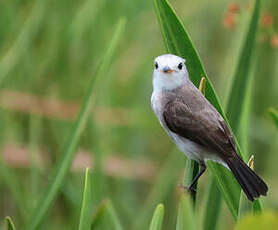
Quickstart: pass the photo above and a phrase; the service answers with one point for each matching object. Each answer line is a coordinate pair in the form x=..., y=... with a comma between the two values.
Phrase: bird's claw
x=189, y=189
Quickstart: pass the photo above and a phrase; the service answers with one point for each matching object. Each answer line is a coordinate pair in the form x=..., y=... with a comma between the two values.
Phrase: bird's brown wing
x=204, y=126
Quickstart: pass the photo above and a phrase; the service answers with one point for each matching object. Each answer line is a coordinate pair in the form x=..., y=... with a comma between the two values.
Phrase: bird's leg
x=190, y=188
x=201, y=171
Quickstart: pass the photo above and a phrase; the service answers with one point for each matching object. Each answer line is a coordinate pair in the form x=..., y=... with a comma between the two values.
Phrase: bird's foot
x=188, y=189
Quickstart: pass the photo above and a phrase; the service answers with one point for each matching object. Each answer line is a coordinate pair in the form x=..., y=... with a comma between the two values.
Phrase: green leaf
x=63, y=165
x=228, y=186
x=156, y=223
x=238, y=105
x=86, y=208
x=186, y=216
x=241, y=78
x=178, y=42
x=10, y=224
x=116, y=224
x=257, y=207
x=99, y=213
x=274, y=114
x=106, y=213
x=165, y=181
x=213, y=204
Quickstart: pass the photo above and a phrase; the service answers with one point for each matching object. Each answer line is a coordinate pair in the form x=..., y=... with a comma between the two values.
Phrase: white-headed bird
x=195, y=125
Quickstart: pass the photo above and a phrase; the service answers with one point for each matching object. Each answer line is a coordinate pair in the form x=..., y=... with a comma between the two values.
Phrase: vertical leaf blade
x=213, y=205
x=86, y=208
x=274, y=114
x=242, y=77
x=238, y=105
x=156, y=223
x=186, y=216
x=10, y=224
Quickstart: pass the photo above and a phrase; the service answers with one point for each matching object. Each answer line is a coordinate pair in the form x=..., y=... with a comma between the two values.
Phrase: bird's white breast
x=189, y=148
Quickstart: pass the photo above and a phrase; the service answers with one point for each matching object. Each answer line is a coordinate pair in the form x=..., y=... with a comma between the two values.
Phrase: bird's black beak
x=167, y=69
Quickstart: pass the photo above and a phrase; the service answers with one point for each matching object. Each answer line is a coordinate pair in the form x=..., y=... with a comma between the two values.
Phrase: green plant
x=10, y=225
x=63, y=165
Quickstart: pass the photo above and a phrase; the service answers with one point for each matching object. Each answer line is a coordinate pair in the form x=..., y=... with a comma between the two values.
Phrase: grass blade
x=63, y=165
x=156, y=223
x=86, y=208
x=186, y=216
x=116, y=224
x=213, y=204
x=107, y=214
x=178, y=42
x=274, y=114
x=10, y=224
x=257, y=207
x=98, y=214
x=238, y=105
x=242, y=77
x=165, y=181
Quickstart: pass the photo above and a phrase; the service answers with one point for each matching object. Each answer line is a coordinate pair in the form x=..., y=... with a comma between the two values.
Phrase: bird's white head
x=169, y=72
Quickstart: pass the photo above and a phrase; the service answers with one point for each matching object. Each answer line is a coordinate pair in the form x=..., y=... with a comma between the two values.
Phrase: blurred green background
x=49, y=51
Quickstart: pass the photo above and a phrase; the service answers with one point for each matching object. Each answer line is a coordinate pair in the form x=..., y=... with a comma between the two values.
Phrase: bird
x=195, y=125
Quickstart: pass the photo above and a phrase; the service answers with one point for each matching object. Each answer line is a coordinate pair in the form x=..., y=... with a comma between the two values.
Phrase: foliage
x=64, y=107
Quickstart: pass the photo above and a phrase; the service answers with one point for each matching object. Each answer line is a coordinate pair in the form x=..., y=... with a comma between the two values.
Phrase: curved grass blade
x=274, y=114
x=178, y=42
x=186, y=215
x=156, y=223
x=10, y=224
x=86, y=208
x=63, y=165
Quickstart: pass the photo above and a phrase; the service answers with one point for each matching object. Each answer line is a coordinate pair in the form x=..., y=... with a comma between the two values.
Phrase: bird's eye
x=156, y=65
x=180, y=66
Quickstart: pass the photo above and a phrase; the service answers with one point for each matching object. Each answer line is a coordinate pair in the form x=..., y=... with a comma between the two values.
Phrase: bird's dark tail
x=252, y=185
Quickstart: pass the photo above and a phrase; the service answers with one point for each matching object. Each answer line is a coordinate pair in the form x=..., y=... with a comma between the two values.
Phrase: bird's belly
x=188, y=147
x=195, y=151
